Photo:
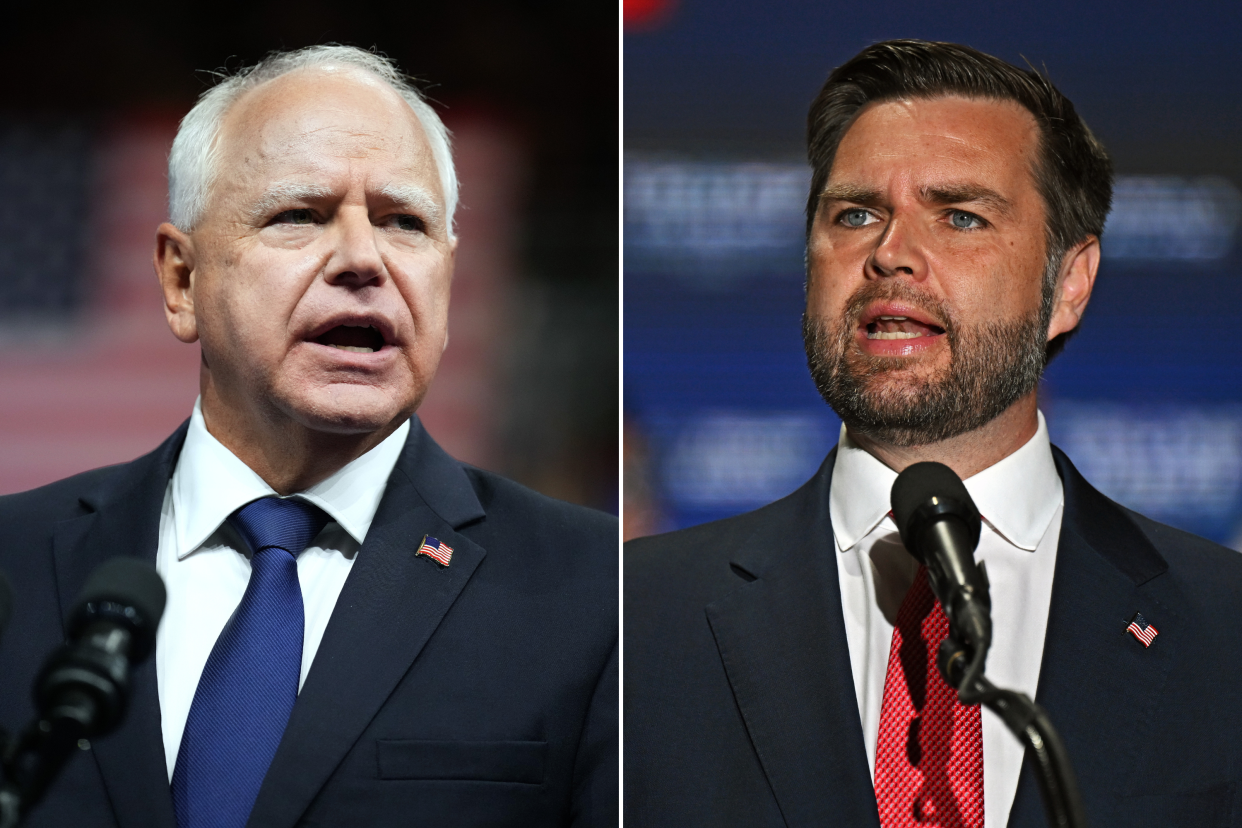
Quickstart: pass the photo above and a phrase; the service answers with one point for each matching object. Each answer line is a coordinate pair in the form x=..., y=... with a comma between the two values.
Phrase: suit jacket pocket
x=475, y=761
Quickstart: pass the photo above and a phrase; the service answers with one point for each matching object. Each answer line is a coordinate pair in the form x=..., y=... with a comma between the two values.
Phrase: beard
x=889, y=399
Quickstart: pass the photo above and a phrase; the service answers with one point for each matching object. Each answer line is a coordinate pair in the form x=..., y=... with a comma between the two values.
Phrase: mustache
x=897, y=290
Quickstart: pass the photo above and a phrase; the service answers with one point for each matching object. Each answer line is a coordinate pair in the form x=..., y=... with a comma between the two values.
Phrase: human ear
x=1074, y=285
x=452, y=268
x=174, y=267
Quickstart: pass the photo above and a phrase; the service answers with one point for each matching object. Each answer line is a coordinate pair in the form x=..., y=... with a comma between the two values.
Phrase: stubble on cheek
x=887, y=376
x=907, y=402
x=878, y=396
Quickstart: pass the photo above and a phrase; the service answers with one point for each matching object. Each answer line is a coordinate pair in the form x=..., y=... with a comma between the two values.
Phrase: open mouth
x=358, y=339
x=900, y=327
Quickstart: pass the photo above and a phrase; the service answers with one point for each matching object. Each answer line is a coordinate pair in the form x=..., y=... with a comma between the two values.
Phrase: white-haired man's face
x=318, y=278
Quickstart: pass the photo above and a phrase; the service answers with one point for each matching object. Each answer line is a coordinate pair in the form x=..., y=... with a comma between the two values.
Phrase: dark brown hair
x=1072, y=172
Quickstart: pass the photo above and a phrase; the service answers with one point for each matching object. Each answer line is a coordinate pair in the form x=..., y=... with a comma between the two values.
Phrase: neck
x=289, y=456
x=967, y=454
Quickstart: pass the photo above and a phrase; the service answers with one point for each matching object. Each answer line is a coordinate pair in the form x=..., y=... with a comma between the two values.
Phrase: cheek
x=829, y=285
x=424, y=285
x=1025, y=277
x=217, y=310
x=994, y=280
x=245, y=308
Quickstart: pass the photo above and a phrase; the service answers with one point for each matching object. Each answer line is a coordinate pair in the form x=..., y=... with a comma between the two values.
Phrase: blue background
x=1147, y=399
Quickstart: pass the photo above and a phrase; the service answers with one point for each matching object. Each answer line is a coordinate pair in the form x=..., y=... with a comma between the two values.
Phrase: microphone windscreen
x=918, y=485
x=6, y=602
x=131, y=583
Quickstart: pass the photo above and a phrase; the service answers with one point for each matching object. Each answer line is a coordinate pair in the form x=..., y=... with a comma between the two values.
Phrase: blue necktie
x=250, y=682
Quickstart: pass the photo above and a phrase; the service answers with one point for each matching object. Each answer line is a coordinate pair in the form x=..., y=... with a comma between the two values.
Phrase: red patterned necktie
x=929, y=756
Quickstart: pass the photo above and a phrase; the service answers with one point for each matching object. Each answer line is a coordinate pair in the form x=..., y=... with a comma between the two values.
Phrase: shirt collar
x=1017, y=496
x=210, y=483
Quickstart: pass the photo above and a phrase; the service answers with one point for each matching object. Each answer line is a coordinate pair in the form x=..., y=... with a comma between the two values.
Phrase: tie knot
x=288, y=524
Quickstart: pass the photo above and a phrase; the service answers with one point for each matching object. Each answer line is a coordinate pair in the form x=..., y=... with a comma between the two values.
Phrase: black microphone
x=83, y=688
x=940, y=526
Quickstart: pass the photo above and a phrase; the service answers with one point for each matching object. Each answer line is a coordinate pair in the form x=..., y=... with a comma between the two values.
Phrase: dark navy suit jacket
x=739, y=699
x=482, y=693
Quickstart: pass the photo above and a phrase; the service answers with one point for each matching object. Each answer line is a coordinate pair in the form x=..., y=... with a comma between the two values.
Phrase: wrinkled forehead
x=324, y=122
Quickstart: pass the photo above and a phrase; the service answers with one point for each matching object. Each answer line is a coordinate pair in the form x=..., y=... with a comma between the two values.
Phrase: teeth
x=357, y=349
x=895, y=318
x=893, y=335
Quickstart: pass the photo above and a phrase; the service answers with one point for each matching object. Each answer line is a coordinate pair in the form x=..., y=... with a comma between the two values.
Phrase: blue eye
x=855, y=218
x=965, y=221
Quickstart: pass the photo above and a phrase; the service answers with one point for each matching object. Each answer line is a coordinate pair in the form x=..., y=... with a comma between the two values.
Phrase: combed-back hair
x=1072, y=171
x=193, y=161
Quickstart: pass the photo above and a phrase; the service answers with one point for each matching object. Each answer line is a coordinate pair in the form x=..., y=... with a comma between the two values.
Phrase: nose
x=355, y=259
x=898, y=252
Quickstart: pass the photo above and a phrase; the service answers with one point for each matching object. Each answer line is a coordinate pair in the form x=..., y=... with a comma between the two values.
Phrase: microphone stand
x=940, y=525
x=83, y=687
x=33, y=759
x=1027, y=720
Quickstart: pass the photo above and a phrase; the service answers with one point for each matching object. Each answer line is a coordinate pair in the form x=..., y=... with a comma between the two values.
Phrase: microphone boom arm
x=940, y=526
x=1028, y=721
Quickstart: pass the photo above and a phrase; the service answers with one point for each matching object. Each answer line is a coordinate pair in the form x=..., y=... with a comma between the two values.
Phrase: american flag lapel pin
x=436, y=550
x=1142, y=630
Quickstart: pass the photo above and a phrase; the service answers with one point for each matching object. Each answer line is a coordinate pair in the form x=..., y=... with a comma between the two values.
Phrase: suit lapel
x=123, y=519
x=1099, y=685
x=782, y=640
x=781, y=636
x=391, y=604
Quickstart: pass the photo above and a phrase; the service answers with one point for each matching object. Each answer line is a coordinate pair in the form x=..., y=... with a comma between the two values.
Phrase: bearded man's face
x=991, y=366
x=928, y=311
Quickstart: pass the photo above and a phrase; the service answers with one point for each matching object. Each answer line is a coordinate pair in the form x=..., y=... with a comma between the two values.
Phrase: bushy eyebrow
x=941, y=195
x=283, y=192
x=968, y=194
x=417, y=200
x=409, y=197
x=866, y=196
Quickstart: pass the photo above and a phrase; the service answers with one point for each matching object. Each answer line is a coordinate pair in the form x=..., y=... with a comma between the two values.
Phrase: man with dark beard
x=780, y=665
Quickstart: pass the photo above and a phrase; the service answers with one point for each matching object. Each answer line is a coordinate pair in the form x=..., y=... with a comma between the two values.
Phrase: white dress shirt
x=206, y=566
x=1021, y=501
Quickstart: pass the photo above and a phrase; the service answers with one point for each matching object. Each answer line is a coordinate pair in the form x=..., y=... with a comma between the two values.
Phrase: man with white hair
x=359, y=629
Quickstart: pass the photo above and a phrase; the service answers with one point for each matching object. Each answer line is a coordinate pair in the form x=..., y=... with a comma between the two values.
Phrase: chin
x=351, y=409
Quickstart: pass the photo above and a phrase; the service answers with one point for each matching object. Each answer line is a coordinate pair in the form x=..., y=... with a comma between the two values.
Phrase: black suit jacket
x=739, y=699
x=482, y=693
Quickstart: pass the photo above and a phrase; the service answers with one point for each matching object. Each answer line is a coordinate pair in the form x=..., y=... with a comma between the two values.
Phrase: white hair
x=193, y=161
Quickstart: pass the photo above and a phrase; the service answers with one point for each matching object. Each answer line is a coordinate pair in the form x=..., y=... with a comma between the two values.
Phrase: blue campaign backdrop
x=1147, y=398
